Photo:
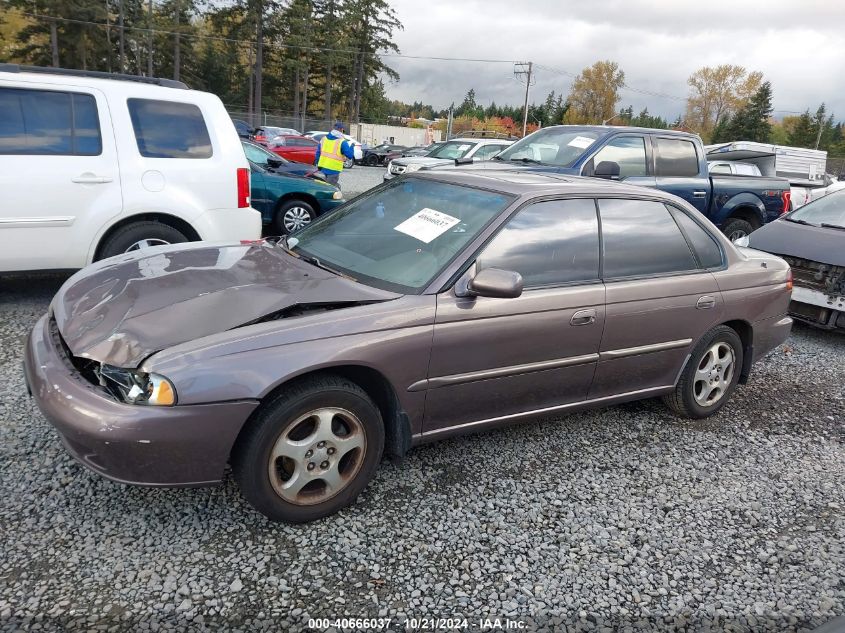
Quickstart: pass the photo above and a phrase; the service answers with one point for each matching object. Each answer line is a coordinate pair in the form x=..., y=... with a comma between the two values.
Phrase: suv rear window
x=46, y=122
x=168, y=129
x=676, y=157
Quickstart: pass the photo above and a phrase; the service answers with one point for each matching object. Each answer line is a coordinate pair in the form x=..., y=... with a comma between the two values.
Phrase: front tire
x=309, y=451
x=140, y=235
x=349, y=163
x=293, y=215
x=371, y=161
x=710, y=376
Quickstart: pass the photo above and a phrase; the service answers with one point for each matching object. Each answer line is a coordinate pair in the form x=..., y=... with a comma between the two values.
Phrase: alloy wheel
x=714, y=374
x=735, y=235
x=146, y=244
x=317, y=456
x=295, y=218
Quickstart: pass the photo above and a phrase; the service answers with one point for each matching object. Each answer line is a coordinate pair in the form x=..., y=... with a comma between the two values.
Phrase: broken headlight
x=137, y=387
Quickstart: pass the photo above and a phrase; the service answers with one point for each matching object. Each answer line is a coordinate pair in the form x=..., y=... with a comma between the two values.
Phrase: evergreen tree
x=803, y=133
x=751, y=121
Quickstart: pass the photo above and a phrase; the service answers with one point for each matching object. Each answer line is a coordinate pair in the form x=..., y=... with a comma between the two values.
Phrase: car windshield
x=260, y=156
x=400, y=236
x=559, y=146
x=827, y=210
x=452, y=150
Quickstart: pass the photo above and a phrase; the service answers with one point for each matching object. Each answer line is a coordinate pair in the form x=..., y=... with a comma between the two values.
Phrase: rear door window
x=640, y=238
x=676, y=157
x=549, y=243
x=46, y=122
x=169, y=129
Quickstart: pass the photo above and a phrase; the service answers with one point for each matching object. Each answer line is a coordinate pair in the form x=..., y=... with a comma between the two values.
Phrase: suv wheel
x=293, y=215
x=140, y=235
x=309, y=451
x=736, y=228
x=710, y=375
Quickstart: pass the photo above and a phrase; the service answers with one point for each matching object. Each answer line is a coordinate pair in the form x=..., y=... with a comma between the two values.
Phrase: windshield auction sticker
x=582, y=142
x=427, y=224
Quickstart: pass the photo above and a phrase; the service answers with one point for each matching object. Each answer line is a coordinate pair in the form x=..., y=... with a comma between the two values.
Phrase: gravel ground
x=624, y=519
x=358, y=179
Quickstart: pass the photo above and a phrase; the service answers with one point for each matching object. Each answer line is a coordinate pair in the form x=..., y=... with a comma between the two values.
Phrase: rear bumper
x=226, y=225
x=150, y=446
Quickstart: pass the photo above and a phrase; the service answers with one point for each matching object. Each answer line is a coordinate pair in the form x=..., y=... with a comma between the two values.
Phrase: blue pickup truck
x=665, y=159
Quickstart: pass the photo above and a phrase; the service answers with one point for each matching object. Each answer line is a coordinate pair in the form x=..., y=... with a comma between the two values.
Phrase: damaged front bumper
x=818, y=297
x=144, y=445
x=817, y=308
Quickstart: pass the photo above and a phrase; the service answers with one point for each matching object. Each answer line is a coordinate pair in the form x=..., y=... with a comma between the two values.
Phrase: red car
x=300, y=149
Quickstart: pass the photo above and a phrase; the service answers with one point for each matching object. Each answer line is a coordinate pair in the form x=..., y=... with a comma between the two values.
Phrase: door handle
x=705, y=303
x=583, y=317
x=699, y=194
x=90, y=179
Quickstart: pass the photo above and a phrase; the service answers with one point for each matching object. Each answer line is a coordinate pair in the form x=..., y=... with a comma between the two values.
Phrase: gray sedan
x=437, y=304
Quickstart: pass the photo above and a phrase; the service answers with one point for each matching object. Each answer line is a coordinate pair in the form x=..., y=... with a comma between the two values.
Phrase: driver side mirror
x=496, y=283
x=607, y=169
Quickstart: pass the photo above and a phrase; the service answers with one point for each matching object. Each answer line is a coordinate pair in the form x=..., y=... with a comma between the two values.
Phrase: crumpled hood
x=123, y=309
x=815, y=243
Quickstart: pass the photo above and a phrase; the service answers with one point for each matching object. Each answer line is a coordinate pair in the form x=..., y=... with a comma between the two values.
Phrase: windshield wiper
x=525, y=160
x=314, y=261
x=832, y=226
x=800, y=222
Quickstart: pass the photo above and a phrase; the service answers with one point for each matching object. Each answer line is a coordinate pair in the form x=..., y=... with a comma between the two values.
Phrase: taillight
x=243, y=187
x=787, y=197
x=789, y=280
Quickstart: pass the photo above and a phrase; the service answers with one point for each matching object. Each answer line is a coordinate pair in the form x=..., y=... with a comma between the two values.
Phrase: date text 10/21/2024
x=419, y=624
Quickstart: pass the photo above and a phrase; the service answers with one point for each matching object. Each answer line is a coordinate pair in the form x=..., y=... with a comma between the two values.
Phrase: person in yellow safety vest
x=332, y=151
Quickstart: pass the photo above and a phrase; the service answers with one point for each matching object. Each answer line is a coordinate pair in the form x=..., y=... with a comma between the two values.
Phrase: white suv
x=93, y=165
x=476, y=149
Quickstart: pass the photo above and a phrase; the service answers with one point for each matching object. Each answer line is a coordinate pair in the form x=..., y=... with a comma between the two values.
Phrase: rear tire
x=139, y=235
x=736, y=228
x=349, y=163
x=284, y=482
x=710, y=376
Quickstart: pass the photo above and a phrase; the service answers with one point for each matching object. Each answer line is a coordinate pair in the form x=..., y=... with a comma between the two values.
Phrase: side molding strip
x=498, y=372
x=644, y=349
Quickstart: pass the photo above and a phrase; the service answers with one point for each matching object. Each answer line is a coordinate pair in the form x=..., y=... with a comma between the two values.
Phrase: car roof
x=522, y=182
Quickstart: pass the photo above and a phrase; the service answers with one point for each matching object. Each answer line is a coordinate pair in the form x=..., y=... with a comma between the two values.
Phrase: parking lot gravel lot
x=620, y=519
x=358, y=179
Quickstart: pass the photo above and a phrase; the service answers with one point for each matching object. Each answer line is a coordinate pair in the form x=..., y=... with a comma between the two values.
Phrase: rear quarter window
x=169, y=129
x=702, y=242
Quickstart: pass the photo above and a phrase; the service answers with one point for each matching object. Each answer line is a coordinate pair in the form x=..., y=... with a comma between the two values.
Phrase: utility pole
x=121, y=49
x=524, y=69
x=108, y=36
x=150, y=38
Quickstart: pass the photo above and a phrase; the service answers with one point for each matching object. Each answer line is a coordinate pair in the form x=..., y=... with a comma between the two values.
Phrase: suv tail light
x=789, y=280
x=787, y=198
x=243, y=187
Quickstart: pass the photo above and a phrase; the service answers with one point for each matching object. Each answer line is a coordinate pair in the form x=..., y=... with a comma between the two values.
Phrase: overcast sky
x=799, y=45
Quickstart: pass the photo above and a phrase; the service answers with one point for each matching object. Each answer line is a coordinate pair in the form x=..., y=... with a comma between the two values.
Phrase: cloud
x=797, y=45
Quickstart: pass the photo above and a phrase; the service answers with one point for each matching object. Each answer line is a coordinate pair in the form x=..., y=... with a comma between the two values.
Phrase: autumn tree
x=595, y=93
x=716, y=93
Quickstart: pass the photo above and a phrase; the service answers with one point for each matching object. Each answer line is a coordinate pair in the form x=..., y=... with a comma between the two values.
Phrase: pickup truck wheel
x=710, y=375
x=736, y=228
x=292, y=216
x=140, y=235
x=309, y=451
